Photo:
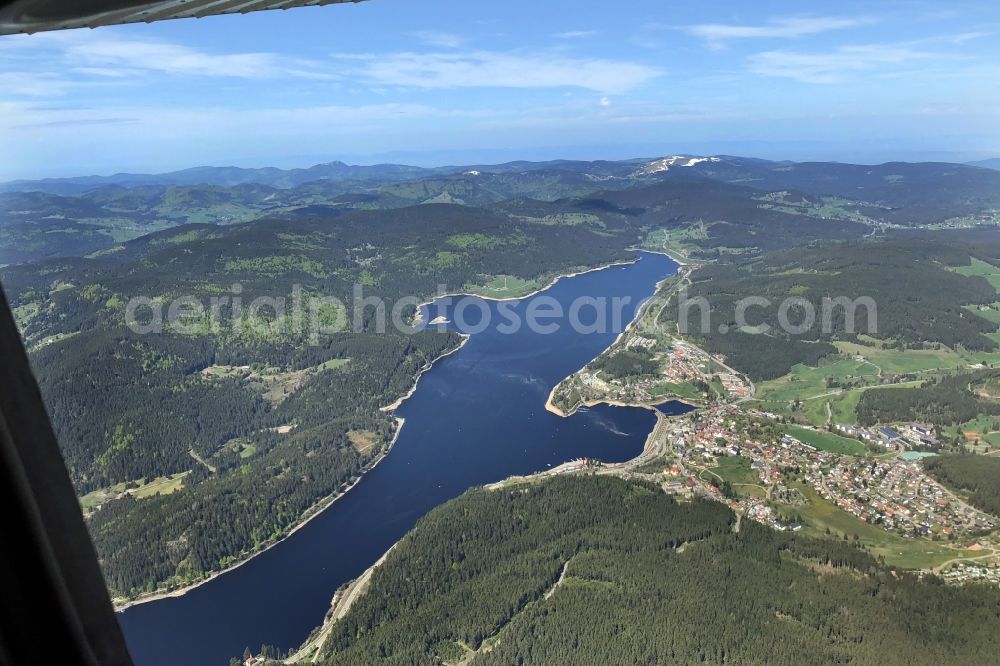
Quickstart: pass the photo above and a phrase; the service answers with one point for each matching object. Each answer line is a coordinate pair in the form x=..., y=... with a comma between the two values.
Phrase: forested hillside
x=918, y=301
x=943, y=401
x=254, y=427
x=978, y=476
x=898, y=192
x=597, y=570
x=743, y=203
x=36, y=224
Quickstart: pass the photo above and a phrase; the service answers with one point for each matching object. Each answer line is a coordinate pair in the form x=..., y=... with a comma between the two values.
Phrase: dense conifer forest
x=945, y=401
x=263, y=424
x=598, y=570
x=977, y=476
x=918, y=301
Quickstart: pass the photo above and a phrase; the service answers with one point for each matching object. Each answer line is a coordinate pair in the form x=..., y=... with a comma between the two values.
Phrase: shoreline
x=618, y=403
x=121, y=605
x=680, y=261
x=307, y=516
x=343, y=600
x=396, y=404
x=546, y=286
x=549, y=406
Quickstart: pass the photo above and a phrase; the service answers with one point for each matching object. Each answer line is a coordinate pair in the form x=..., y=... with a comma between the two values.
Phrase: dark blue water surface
x=477, y=416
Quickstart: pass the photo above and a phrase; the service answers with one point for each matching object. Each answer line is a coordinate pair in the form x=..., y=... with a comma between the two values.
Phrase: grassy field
x=332, y=364
x=992, y=313
x=362, y=440
x=737, y=471
x=805, y=382
x=683, y=391
x=827, y=441
x=820, y=515
x=984, y=270
x=987, y=434
x=904, y=361
x=163, y=485
x=992, y=275
x=677, y=240
x=504, y=286
x=843, y=407
x=809, y=384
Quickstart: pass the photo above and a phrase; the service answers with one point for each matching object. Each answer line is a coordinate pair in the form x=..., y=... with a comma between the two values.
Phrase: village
x=681, y=370
x=913, y=437
x=746, y=459
x=772, y=471
x=887, y=490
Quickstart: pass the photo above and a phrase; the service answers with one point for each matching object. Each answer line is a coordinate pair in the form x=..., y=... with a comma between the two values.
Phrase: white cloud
x=178, y=59
x=108, y=57
x=484, y=69
x=188, y=121
x=74, y=122
x=782, y=27
x=575, y=34
x=26, y=84
x=834, y=66
x=103, y=60
x=440, y=39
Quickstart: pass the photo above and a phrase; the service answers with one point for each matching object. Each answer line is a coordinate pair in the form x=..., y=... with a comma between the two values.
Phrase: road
x=945, y=565
x=342, y=603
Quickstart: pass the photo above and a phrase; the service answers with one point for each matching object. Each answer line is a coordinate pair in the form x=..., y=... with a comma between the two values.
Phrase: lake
x=477, y=416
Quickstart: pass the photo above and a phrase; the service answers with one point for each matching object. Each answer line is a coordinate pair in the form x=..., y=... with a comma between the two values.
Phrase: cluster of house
x=684, y=362
x=681, y=363
x=970, y=572
x=894, y=494
x=640, y=342
x=904, y=436
x=899, y=496
x=759, y=510
x=733, y=384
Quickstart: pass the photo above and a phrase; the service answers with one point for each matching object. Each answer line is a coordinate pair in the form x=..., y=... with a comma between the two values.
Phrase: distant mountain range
x=721, y=166
x=78, y=216
x=988, y=164
x=287, y=178
x=221, y=176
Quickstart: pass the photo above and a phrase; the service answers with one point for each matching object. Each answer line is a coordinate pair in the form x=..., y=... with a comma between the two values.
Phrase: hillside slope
x=597, y=570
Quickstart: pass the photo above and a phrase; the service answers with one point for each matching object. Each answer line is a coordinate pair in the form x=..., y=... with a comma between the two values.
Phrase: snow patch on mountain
x=664, y=164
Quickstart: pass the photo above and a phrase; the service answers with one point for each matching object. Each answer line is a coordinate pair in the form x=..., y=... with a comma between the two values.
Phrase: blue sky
x=447, y=81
